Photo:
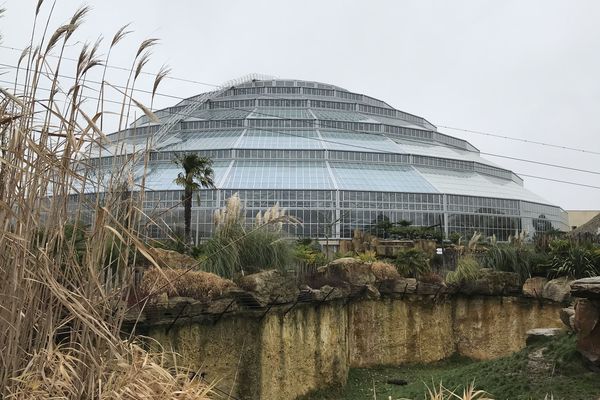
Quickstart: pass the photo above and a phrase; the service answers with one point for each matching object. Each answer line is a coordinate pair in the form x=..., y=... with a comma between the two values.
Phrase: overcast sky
x=524, y=69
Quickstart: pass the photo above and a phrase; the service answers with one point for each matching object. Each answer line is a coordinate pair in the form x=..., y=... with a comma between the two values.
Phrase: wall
x=391, y=332
x=288, y=352
x=580, y=217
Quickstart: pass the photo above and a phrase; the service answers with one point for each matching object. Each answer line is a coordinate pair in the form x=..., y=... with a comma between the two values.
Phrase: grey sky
x=526, y=69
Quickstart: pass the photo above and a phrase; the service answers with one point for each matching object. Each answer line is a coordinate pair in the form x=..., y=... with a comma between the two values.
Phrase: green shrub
x=368, y=256
x=573, y=261
x=467, y=270
x=309, y=255
x=539, y=263
x=509, y=259
x=454, y=237
x=234, y=248
x=412, y=263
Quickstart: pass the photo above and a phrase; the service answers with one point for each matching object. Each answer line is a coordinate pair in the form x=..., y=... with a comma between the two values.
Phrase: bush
x=368, y=256
x=195, y=284
x=509, y=259
x=384, y=271
x=432, y=277
x=573, y=261
x=467, y=270
x=309, y=255
x=412, y=263
x=235, y=249
x=539, y=263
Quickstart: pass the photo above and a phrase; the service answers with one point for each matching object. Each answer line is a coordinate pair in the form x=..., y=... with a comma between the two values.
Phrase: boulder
x=587, y=315
x=325, y=293
x=345, y=271
x=541, y=334
x=172, y=259
x=426, y=288
x=399, y=287
x=586, y=287
x=567, y=316
x=269, y=287
x=492, y=282
x=371, y=292
x=558, y=290
x=534, y=287
x=587, y=327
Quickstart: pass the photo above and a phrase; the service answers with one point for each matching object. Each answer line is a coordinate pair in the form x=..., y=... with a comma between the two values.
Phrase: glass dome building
x=334, y=159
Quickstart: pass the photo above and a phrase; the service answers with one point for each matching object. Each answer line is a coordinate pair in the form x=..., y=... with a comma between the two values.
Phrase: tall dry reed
x=66, y=257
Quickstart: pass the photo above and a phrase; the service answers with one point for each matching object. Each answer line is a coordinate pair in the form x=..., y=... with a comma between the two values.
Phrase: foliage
x=140, y=375
x=504, y=378
x=239, y=249
x=539, y=263
x=572, y=260
x=367, y=256
x=467, y=270
x=65, y=283
x=415, y=232
x=384, y=271
x=412, y=263
x=432, y=277
x=177, y=243
x=455, y=238
x=198, y=285
x=508, y=258
x=197, y=173
x=309, y=255
x=382, y=227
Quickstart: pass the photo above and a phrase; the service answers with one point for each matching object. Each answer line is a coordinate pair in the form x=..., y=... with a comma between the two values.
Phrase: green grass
x=505, y=378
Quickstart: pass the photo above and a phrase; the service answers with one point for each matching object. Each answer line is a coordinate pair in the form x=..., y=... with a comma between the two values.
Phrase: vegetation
x=514, y=377
x=572, y=260
x=468, y=269
x=509, y=258
x=66, y=260
x=382, y=227
x=367, y=256
x=197, y=173
x=412, y=263
x=196, y=284
x=308, y=253
x=238, y=248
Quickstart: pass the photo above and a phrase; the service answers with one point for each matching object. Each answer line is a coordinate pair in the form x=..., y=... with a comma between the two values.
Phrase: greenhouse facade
x=335, y=160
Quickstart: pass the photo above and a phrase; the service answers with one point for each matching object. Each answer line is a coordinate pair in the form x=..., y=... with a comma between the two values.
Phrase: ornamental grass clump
x=239, y=248
x=467, y=270
x=67, y=255
x=198, y=285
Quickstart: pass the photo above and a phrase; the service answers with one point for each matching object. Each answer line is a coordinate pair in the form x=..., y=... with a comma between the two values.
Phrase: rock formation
x=586, y=320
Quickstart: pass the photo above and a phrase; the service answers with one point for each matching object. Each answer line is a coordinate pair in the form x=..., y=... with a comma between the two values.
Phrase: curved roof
x=293, y=134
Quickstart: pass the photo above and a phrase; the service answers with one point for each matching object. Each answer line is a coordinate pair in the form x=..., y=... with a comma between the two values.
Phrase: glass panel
x=247, y=174
x=380, y=178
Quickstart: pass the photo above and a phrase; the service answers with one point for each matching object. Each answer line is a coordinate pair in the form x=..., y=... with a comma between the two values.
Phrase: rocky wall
x=393, y=331
x=286, y=352
x=491, y=327
x=303, y=350
x=226, y=353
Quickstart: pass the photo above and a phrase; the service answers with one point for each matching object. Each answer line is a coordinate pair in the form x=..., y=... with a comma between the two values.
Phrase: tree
x=197, y=173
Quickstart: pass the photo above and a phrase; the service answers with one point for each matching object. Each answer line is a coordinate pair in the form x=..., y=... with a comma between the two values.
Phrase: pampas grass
x=237, y=248
x=67, y=258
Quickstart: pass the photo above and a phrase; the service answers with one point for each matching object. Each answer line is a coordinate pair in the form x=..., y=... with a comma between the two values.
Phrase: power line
x=282, y=98
x=558, y=146
x=121, y=68
x=560, y=181
x=377, y=150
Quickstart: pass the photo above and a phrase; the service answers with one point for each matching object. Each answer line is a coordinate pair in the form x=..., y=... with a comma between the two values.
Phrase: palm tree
x=197, y=173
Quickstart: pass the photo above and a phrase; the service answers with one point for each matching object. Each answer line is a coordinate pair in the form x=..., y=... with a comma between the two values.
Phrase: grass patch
x=510, y=377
